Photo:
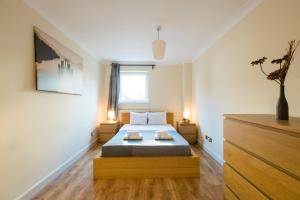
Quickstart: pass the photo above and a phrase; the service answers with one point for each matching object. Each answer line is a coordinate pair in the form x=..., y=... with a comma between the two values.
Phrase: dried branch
x=261, y=68
x=259, y=61
x=279, y=75
x=289, y=59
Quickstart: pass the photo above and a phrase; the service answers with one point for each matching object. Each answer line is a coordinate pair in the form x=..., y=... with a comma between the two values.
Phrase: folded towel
x=162, y=132
x=156, y=137
x=133, y=135
x=133, y=132
x=163, y=135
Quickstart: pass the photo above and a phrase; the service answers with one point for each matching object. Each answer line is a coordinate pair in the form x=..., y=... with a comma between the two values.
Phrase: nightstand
x=188, y=131
x=107, y=130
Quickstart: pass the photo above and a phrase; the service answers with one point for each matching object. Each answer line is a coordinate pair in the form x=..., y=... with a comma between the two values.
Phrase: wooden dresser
x=262, y=157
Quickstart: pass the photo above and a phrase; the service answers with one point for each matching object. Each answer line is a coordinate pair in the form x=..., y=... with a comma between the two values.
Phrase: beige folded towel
x=163, y=135
x=133, y=135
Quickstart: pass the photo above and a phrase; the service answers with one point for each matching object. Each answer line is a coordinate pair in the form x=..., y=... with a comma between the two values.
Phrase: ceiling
x=123, y=30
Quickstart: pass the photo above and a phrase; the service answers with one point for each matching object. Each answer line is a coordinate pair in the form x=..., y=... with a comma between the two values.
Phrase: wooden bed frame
x=125, y=118
x=146, y=167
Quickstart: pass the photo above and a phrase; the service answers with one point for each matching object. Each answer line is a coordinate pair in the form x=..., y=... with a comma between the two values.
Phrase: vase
x=282, y=111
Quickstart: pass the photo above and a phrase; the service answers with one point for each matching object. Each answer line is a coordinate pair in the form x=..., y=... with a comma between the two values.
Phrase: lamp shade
x=186, y=114
x=158, y=48
x=111, y=115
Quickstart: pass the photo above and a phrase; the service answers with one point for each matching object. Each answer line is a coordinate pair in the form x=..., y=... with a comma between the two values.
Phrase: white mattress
x=129, y=127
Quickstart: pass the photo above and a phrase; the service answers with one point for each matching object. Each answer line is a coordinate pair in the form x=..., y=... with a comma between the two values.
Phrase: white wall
x=225, y=82
x=166, y=88
x=38, y=130
x=187, y=86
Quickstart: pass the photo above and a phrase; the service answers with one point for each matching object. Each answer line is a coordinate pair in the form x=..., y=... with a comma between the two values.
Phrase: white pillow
x=138, y=118
x=157, y=118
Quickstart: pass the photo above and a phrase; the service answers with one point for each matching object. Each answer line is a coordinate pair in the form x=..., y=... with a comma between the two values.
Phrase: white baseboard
x=215, y=156
x=38, y=186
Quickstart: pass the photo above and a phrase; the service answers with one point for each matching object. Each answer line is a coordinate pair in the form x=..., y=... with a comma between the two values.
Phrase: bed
x=148, y=146
x=147, y=158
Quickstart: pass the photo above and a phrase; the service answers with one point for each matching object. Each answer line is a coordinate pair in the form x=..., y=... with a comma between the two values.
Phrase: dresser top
x=292, y=125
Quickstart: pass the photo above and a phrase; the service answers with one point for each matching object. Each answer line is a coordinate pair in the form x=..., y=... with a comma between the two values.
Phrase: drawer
x=108, y=128
x=240, y=186
x=278, y=148
x=228, y=195
x=273, y=182
x=187, y=129
x=105, y=137
x=192, y=139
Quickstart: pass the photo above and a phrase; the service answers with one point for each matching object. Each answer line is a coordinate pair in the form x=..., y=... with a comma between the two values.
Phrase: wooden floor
x=77, y=183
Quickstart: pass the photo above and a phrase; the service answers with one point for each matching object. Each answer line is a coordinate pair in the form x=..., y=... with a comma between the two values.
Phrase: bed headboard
x=125, y=118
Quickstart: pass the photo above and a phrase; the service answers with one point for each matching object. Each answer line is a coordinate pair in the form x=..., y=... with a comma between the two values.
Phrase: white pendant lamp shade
x=158, y=47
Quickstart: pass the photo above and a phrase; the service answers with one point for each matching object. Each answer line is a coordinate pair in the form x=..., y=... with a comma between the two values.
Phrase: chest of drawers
x=262, y=157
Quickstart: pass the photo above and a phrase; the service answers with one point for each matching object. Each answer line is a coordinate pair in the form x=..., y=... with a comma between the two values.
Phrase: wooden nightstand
x=188, y=131
x=107, y=130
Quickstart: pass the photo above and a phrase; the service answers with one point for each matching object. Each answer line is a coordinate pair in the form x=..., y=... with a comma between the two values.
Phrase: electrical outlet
x=209, y=139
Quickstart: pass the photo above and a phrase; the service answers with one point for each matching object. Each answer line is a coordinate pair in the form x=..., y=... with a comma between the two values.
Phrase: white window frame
x=146, y=100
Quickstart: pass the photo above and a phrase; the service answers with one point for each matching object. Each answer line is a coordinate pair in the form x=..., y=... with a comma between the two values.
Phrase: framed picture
x=58, y=69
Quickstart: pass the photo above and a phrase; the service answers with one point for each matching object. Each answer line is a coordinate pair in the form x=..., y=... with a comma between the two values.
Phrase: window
x=133, y=87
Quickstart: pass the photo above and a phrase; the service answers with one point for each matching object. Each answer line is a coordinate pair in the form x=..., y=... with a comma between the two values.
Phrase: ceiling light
x=158, y=46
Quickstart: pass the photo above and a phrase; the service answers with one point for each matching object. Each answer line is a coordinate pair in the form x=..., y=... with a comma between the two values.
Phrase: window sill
x=130, y=103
